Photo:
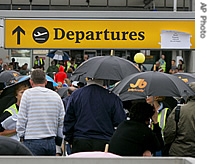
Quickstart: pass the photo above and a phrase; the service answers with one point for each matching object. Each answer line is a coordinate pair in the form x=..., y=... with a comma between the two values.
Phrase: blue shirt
x=92, y=113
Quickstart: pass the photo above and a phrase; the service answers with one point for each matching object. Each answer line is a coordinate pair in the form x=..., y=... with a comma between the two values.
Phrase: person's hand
x=147, y=153
x=21, y=139
x=58, y=154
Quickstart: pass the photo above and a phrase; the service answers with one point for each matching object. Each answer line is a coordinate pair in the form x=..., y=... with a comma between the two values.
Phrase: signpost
x=92, y=34
x=1, y=33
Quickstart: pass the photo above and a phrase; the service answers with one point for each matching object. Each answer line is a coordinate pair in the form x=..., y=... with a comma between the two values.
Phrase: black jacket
x=133, y=138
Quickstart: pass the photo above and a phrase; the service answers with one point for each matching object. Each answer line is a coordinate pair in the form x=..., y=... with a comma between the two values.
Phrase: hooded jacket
x=60, y=75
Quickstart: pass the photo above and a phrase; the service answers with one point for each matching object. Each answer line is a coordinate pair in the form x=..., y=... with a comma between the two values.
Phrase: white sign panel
x=175, y=39
x=1, y=33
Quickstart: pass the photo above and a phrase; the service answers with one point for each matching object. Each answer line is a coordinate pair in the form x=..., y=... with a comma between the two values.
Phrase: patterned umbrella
x=58, y=55
x=9, y=77
x=186, y=77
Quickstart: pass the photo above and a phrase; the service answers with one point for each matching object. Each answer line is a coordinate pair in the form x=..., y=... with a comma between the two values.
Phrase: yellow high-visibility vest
x=12, y=109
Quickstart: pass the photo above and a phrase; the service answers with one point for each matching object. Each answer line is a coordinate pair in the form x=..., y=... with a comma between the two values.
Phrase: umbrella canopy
x=7, y=97
x=49, y=79
x=58, y=55
x=13, y=147
x=105, y=67
x=9, y=76
x=78, y=77
x=141, y=85
x=63, y=92
x=186, y=77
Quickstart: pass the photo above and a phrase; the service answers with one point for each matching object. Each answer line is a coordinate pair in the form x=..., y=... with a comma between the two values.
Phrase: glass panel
x=20, y=7
x=21, y=56
x=42, y=54
x=5, y=7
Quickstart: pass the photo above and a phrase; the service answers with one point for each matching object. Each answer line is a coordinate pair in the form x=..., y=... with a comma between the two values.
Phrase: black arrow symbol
x=18, y=30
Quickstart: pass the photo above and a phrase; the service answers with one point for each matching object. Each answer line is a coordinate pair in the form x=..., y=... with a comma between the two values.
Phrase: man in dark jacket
x=92, y=114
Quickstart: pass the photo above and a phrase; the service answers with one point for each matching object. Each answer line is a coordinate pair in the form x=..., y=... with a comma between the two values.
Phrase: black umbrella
x=63, y=92
x=7, y=97
x=79, y=78
x=13, y=147
x=141, y=85
x=105, y=67
x=9, y=76
x=186, y=77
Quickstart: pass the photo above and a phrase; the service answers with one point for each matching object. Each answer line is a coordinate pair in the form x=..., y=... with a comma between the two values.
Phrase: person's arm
x=59, y=137
x=55, y=78
x=69, y=121
x=22, y=116
x=157, y=129
x=119, y=114
x=3, y=116
x=8, y=133
x=170, y=128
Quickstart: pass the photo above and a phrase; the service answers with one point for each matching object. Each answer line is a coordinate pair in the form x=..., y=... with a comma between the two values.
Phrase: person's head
x=69, y=70
x=60, y=85
x=141, y=112
x=90, y=81
x=5, y=66
x=61, y=62
x=38, y=77
x=80, y=84
x=152, y=99
x=71, y=90
x=13, y=59
x=163, y=56
x=36, y=57
x=19, y=91
x=53, y=62
x=72, y=61
x=85, y=57
x=25, y=66
x=67, y=81
x=181, y=61
x=173, y=62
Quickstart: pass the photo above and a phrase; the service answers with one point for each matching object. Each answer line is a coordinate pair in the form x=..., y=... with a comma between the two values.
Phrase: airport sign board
x=99, y=34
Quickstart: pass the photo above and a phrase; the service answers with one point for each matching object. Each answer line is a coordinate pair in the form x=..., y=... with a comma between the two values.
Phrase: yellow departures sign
x=76, y=34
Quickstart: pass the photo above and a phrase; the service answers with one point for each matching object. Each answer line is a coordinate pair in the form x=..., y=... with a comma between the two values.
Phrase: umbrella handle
x=106, y=148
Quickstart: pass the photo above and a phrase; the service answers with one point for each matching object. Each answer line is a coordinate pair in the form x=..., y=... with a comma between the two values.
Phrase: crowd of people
x=89, y=116
x=13, y=65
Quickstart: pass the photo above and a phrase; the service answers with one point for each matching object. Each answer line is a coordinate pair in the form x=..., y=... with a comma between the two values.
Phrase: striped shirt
x=41, y=114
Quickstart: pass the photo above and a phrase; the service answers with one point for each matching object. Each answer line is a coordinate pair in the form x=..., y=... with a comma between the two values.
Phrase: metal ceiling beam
x=97, y=14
